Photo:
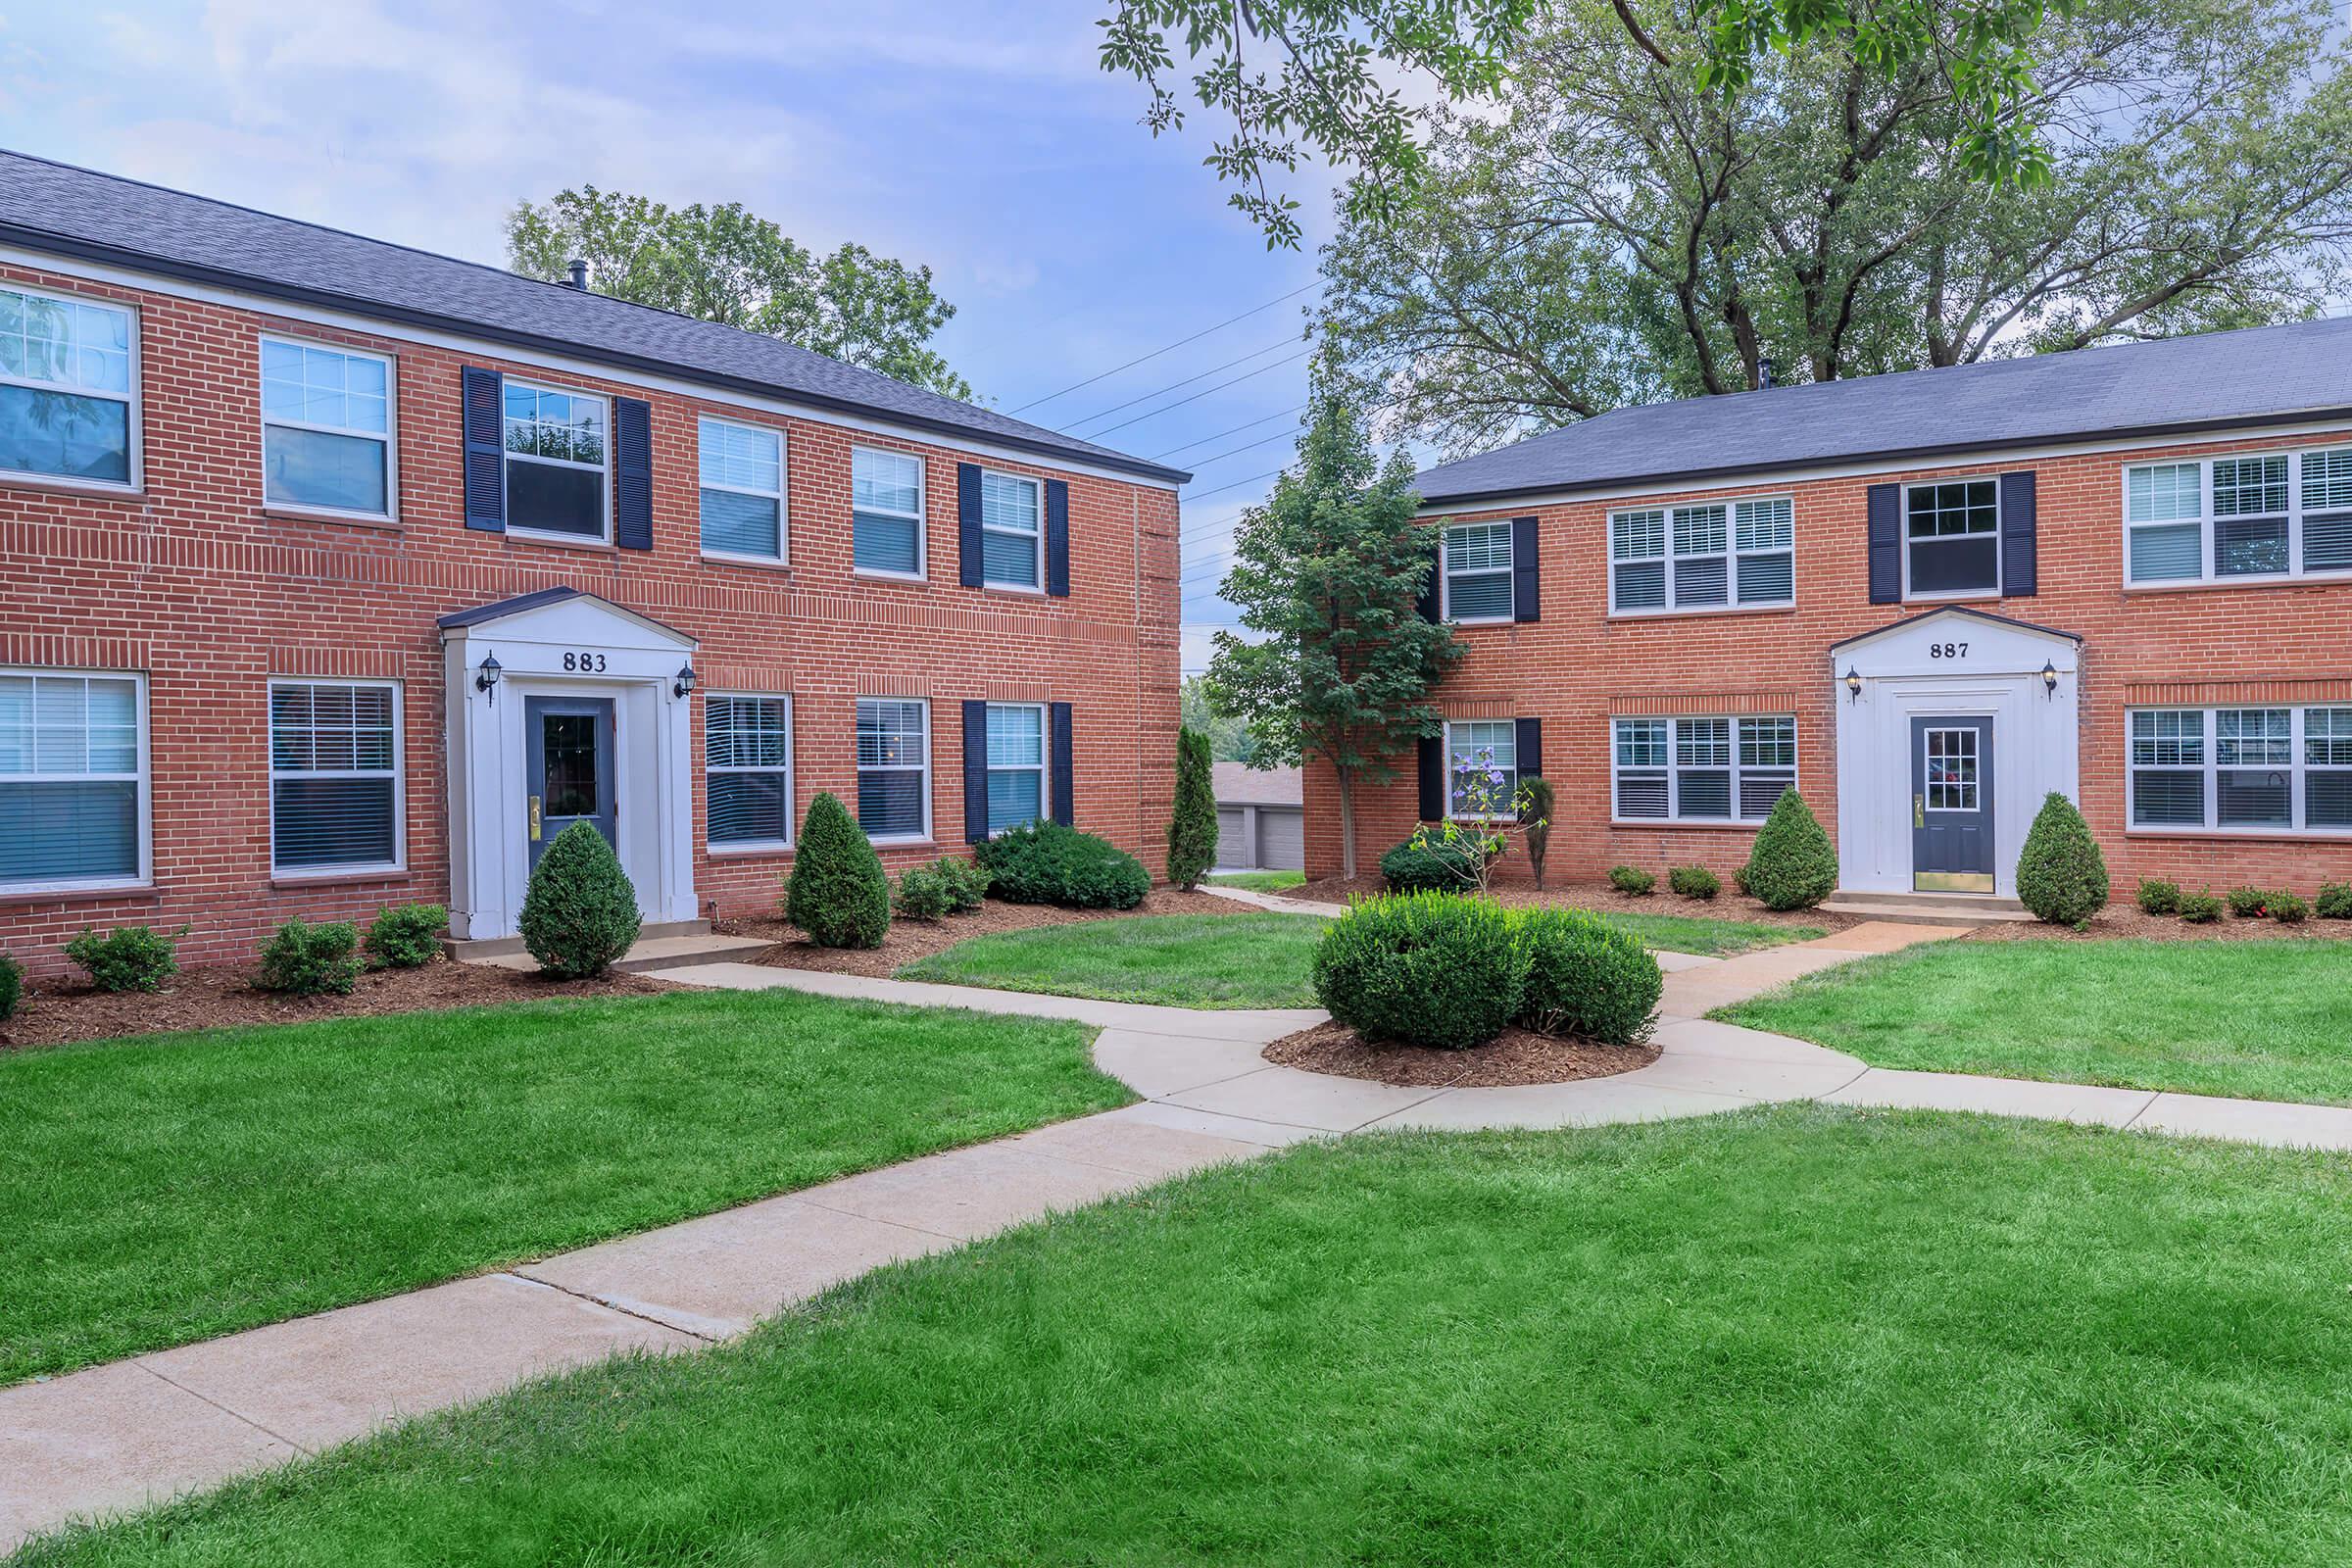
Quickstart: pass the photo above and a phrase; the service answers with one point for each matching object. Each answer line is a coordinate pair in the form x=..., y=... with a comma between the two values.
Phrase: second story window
x=1013, y=531
x=886, y=512
x=66, y=397
x=1739, y=555
x=326, y=428
x=555, y=446
x=743, y=490
x=1952, y=537
x=2260, y=515
x=1478, y=571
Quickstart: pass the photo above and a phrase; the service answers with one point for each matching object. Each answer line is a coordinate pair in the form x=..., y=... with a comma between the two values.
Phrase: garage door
x=1281, y=840
x=1231, y=849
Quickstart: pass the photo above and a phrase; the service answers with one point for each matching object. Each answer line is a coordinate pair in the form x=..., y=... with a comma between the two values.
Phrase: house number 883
x=584, y=663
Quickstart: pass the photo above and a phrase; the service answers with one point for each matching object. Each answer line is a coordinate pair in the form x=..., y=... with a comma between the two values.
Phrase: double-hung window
x=73, y=780
x=1016, y=764
x=1703, y=769
x=894, y=768
x=1482, y=768
x=1012, y=530
x=334, y=776
x=1478, y=571
x=326, y=428
x=2248, y=769
x=746, y=761
x=2258, y=514
x=1716, y=556
x=741, y=489
x=1952, y=537
x=886, y=512
x=556, y=450
x=67, y=375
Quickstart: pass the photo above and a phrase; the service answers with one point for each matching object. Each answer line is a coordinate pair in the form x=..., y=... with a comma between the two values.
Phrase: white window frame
x=1446, y=573
x=135, y=484
x=144, y=876
x=390, y=438
x=1731, y=555
x=1971, y=788
x=2208, y=541
x=1044, y=757
x=859, y=767
x=602, y=471
x=920, y=517
x=1037, y=488
x=2000, y=526
x=779, y=495
x=1510, y=812
x=398, y=862
x=1674, y=767
x=2299, y=767
x=718, y=847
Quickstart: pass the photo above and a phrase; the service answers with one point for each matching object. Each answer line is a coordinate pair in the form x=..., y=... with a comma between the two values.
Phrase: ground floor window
x=1703, y=769
x=334, y=776
x=747, y=761
x=1016, y=764
x=73, y=780
x=2252, y=769
x=894, y=768
x=1482, y=763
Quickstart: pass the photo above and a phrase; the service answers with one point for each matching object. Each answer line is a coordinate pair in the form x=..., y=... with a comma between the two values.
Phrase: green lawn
x=1184, y=961
x=1259, y=881
x=2267, y=1020
x=172, y=1188
x=1796, y=1336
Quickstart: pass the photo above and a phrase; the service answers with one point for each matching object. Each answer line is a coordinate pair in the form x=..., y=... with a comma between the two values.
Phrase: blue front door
x=570, y=766
x=1951, y=805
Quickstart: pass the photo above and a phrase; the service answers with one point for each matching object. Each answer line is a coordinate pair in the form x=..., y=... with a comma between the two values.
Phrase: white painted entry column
x=564, y=642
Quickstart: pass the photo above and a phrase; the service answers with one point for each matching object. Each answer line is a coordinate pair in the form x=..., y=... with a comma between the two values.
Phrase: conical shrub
x=2061, y=876
x=838, y=893
x=1193, y=829
x=1792, y=866
x=580, y=915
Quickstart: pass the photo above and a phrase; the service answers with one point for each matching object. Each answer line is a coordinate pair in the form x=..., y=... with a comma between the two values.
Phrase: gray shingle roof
x=1240, y=784
x=2214, y=380
x=60, y=209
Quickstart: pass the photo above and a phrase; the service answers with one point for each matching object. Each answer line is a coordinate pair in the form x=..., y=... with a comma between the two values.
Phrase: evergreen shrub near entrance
x=2061, y=876
x=1792, y=866
x=580, y=914
x=838, y=893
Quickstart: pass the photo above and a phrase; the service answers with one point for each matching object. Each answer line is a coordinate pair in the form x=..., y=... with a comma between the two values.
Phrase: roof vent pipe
x=1763, y=371
x=579, y=273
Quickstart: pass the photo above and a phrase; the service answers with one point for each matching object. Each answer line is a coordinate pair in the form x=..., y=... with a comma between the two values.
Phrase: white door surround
x=564, y=642
x=1955, y=662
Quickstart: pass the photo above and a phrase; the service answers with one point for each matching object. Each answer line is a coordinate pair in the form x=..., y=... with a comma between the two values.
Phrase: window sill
x=527, y=536
x=746, y=851
x=721, y=557
x=1023, y=589
x=351, y=520
x=2245, y=835
x=337, y=877
x=68, y=487
x=919, y=579
x=1686, y=823
x=2329, y=579
x=1685, y=613
x=1972, y=596
x=137, y=891
x=924, y=842
x=1489, y=621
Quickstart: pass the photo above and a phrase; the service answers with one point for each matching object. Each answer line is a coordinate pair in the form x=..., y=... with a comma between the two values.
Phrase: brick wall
x=199, y=585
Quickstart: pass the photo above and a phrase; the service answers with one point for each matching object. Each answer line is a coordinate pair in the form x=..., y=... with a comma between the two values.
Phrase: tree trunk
x=1347, y=823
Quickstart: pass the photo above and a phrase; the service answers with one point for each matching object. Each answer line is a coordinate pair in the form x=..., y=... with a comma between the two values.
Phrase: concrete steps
x=1952, y=909
x=658, y=946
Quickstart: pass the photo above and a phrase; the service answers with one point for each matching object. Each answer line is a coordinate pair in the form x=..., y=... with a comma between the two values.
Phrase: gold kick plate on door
x=534, y=819
x=1952, y=882
x=1919, y=813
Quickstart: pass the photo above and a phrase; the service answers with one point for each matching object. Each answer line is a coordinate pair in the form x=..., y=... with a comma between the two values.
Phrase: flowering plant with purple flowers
x=1485, y=805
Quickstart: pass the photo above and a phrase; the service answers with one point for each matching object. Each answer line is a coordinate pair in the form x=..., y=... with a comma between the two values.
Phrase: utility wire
x=1222, y=434
x=1201, y=495
x=1153, y=414
x=1147, y=397
x=1247, y=446
x=1170, y=348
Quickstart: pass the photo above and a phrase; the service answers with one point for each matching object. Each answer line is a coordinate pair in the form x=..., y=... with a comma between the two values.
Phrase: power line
x=1221, y=489
x=1247, y=446
x=1170, y=348
x=1153, y=414
x=1222, y=434
x=1147, y=397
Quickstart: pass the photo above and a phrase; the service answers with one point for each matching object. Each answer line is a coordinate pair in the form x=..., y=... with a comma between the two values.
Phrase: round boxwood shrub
x=2061, y=876
x=1586, y=977
x=922, y=894
x=1436, y=866
x=407, y=937
x=579, y=913
x=130, y=957
x=1046, y=863
x=2336, y=900
x=2158, y=896
x=1631, y=881
x=312, y=960
x=1694, y=882
x=1791, y=865
x=966, y=883
x=2200, y=908
x=838, y=895
x=1423, y=969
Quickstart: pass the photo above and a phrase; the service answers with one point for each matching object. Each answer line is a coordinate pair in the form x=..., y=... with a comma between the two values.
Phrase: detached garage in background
x=1261, y=819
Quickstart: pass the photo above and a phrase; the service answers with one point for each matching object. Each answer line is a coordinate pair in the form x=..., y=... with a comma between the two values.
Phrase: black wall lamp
x=2049, y=680
x=683, y=685
x=1853, y=684
x=485, y=677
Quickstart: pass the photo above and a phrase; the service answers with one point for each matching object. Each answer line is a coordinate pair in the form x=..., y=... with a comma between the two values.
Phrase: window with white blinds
x=886, y=512
x=73, y=780
x=1702, y=770
x=894, y=768
x=746, y=761
x=1478, y=571
x=2242, y=769
x=2265, y=514
x=1739, y=555
x=741, y=489
x=1012, y=530
x=334, y=776
x=1016, y=764
x=1481, y=766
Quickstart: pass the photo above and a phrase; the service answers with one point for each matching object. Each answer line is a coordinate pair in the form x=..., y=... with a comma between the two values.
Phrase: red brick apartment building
x=333, y=575
x=1927, y=599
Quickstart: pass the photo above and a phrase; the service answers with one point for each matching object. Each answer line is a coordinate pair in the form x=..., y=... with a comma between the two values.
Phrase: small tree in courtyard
x=1792, y=866
x=838, y=893
x=2061, y=876
x=1193, y=829
x=1327, y=574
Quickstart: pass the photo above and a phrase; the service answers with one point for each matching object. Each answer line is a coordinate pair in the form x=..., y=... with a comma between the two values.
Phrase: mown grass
x=1180, y=960
x=171, y=1187
x=1259, y=881
x=2266, y=1020
x=1791, y=1336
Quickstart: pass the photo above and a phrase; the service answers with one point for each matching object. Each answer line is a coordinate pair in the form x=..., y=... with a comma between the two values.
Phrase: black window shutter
x=2021, y=573
x=483, y=418
x=1057, y=538
x=1429, y=604
x=1885, y=544
x=1432, y=778
x=1530, y=738
x=975, y=772
x=1525, y=604
x=632, y=474
x=1062, y=765
x=967, y=524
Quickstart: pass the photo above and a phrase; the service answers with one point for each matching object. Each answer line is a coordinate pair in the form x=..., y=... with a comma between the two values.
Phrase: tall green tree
x=726, y=265
x=1327, y=570
x=1612, y=233
x=1228, y=737
x=1192, y=825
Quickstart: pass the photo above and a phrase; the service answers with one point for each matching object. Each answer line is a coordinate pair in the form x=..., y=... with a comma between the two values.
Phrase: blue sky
x=978, y=138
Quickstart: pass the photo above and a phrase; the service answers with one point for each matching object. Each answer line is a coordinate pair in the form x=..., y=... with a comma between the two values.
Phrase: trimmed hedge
x=579, y=913
x=2200, y=908
x=1631, y=881
x=130, y=957
x=1422, y=968
x=406, y=937
x=1694, y=882
x=1432, y=867
x=1046, y=863
x=2061, y=876
x=838, y=893
x=312, y=960
x=1586, y=977
x=2336, y=900
x=2159, y=898
x=1791, y=865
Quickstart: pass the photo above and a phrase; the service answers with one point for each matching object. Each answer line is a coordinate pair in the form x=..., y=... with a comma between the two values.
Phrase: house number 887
x=1947, y=650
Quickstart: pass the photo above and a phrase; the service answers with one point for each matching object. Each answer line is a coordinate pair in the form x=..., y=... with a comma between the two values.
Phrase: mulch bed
x=909, y=940
x=1517, y=1057
x=57, y=1010
x=1603, y=898
x=2127, y=919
